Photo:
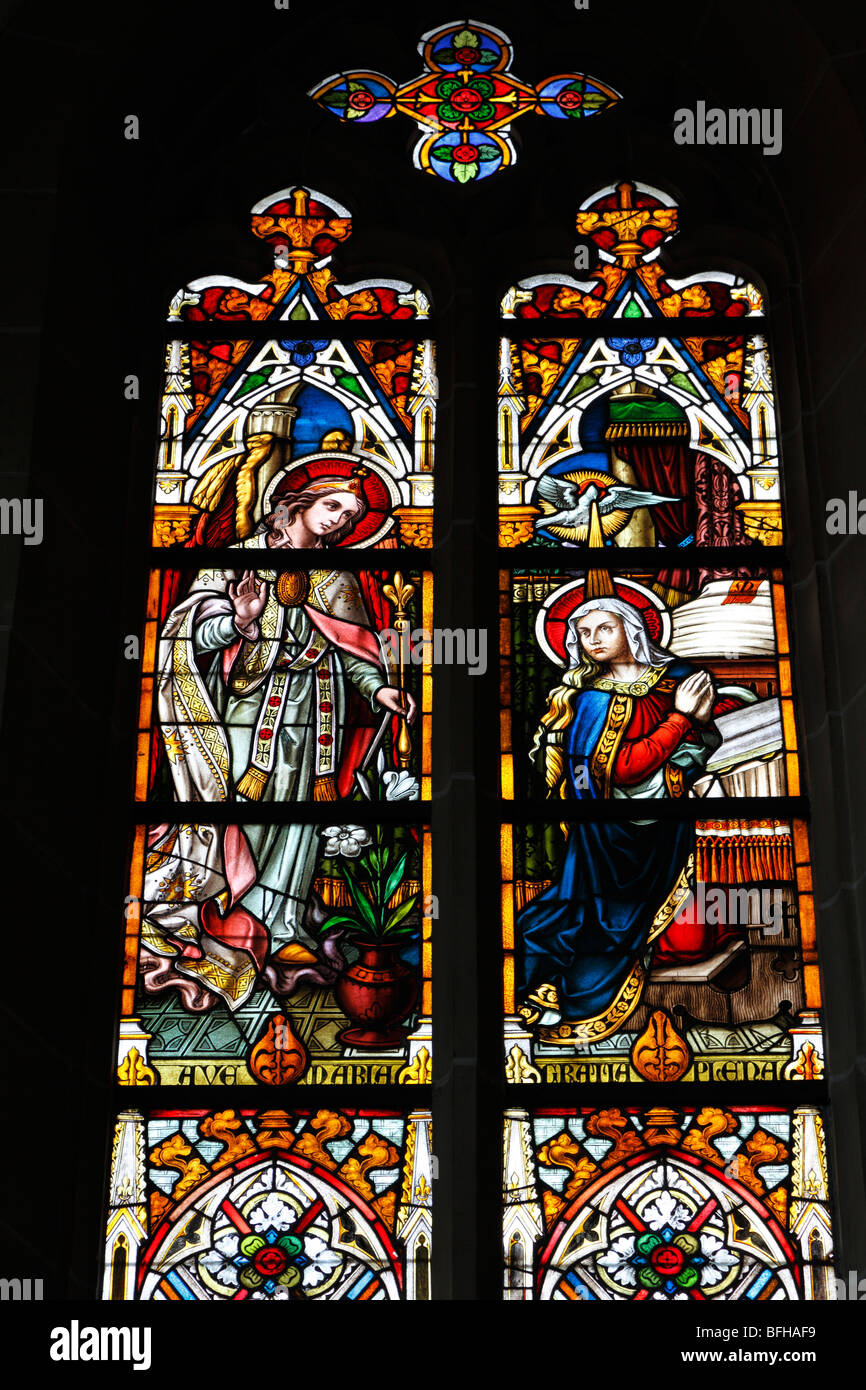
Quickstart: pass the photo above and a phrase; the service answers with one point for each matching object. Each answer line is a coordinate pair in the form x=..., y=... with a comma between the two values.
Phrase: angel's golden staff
x=399, y=594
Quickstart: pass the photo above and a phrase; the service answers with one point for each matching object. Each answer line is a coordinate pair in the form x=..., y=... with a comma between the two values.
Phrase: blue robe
x=585, y=933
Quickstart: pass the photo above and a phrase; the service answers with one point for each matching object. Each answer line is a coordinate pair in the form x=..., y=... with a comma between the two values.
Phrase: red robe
x=653, y=733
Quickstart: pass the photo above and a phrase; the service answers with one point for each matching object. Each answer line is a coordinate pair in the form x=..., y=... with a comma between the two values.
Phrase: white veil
x=640, y=644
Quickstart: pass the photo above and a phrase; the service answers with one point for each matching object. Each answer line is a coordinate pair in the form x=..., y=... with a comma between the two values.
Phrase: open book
x=749, y=760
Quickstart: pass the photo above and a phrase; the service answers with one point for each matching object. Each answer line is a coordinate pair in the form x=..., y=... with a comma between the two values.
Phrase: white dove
x=574, y=506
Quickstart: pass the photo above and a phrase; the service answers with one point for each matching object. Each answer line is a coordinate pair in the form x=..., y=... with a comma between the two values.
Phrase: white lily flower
x=347, y=840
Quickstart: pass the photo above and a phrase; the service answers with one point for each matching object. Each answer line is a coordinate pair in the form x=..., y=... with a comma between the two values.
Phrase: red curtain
x=664, y=466
x=709, y=494
x=717, y=522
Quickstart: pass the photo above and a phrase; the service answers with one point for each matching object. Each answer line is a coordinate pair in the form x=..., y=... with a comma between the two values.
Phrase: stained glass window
x=645, y=433
x=658, y=924
x=237, y=1039
x=713, y=1203
x=269, y=1205
x=710, y=626
x=301, y=707
x=261, y=990
x=273, y=391
x=465, y=101
x=285, y=938
x=709, y=975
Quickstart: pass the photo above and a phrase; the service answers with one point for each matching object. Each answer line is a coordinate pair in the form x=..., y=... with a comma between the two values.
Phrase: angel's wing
x=219, y=527
x=628, y=498
x=557, y=492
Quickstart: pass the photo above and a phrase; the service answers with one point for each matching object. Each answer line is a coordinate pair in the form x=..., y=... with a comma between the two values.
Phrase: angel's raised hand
x=249, y=596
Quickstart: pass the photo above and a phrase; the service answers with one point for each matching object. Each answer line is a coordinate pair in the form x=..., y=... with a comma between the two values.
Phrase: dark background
x=98, y=232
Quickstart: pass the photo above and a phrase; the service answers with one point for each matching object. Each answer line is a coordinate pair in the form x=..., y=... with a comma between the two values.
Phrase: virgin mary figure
x=261, y=676
x=629, y=720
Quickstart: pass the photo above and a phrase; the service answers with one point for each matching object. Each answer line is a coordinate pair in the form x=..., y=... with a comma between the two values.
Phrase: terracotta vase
x=376, y=993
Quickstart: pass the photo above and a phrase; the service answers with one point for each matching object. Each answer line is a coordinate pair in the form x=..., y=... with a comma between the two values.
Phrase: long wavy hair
x=583, y=672
x=290, y=504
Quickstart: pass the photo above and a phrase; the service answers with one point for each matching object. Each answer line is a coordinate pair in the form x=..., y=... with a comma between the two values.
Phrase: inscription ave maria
x=237, y=1074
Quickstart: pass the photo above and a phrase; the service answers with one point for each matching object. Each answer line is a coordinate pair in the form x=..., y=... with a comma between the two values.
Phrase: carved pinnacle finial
x=627, y=224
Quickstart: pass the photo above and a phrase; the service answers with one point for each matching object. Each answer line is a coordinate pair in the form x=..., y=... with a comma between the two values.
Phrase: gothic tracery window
x=645, y=657
x=658, y=920
x=286, y=941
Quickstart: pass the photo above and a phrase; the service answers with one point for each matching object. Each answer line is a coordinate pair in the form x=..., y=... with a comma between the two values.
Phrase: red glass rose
x=466, y=99
x=465, y=154
x=668, y=1260
x=361, y=101
x=270, y=1261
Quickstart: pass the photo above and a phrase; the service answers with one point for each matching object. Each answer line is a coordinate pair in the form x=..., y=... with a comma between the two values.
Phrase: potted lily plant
x=377, y=990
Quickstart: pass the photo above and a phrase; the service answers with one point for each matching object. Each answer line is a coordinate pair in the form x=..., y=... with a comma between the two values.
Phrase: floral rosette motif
x=631, y=350
x=465, y=157
x=671, y=1255
x=271, y=1260
x=265, y=1261
x=571, y=98
x=467, y=87
x=469, y=100
x=466, y=50
x=361, y=97
x=667, y=1261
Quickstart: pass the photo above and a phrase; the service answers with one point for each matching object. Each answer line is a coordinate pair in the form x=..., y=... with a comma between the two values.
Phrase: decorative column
x=416, y=519
x=172, y=516
x=415, y=1213
x=516, y=517
x=522, y=1225
x=272, y=417
x=762, y=512
x=126, y=1229
x=809, y=1222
